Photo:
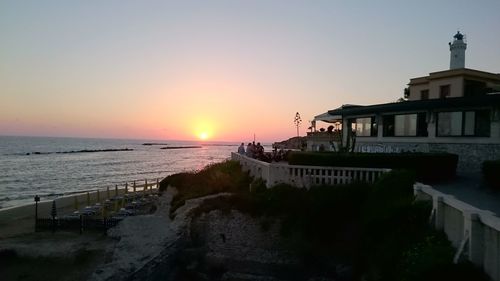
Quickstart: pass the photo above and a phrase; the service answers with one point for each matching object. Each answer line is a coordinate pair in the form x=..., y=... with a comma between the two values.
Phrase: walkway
x=471, y=189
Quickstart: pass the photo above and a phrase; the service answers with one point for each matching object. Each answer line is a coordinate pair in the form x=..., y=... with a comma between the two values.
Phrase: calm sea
x=52, y=167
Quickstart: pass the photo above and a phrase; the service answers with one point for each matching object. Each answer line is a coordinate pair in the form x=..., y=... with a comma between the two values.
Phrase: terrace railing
x=475, y=233
x=306, y=176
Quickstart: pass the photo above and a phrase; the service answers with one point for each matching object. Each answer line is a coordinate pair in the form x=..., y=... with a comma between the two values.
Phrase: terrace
x=305, y=176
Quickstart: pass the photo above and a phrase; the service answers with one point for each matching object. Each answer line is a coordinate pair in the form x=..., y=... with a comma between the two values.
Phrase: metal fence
x=78, y=224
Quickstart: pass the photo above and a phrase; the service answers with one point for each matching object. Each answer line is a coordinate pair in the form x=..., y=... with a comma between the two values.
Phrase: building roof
x=430, y=104
x=473, y=73
x=325, y=117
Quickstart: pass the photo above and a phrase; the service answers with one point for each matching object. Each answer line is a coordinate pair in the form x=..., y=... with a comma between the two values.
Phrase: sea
x=51, y=167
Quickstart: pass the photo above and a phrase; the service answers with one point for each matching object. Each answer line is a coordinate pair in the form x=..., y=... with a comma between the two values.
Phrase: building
x=455, y=111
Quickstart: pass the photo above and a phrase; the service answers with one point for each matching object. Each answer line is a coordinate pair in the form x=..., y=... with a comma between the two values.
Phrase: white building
x=455, y=111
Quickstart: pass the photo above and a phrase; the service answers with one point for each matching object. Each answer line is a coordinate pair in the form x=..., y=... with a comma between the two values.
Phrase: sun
x=203, y=129
x=203, y=135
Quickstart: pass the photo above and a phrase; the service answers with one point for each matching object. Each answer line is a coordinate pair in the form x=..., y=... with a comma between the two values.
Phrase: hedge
x=491, y=173
x=429, y=167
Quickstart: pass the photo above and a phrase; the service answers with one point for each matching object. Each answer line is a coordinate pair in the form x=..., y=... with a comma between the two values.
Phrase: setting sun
x=204, y=129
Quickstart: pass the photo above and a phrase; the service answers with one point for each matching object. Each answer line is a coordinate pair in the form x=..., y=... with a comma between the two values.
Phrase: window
x=444, y=91
x=365, y=127
x=474, y=88
x=424, y=94
x=449, y=124
x=405, y=125
x=469, y=126
x=464, y=123
x=482, y=124
x=388, y=125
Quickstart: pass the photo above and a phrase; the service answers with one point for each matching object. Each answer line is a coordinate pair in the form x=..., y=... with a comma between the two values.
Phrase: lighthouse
x=457, y=51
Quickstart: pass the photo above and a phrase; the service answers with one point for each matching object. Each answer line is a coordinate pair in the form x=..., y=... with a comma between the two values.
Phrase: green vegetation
x=216, y=178
x=491, y=173
x=428, y=167
x=378, y=228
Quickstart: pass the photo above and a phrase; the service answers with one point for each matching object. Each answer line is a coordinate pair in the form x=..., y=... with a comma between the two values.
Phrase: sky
x=222, y=69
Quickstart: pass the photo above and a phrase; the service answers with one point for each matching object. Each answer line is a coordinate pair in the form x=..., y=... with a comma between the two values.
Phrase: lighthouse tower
x=457, y=51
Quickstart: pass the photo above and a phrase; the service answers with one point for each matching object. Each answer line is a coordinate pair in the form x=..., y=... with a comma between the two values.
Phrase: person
x=250, y=150
x=241, y=149
x=259, y=150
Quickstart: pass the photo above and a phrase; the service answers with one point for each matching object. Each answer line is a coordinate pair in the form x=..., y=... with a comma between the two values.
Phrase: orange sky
x=229, y=69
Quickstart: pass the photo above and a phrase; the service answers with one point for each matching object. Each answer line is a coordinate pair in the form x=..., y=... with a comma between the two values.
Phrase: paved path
x=471, y=189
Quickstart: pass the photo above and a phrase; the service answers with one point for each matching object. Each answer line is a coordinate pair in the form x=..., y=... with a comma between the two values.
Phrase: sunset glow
x=220, y=71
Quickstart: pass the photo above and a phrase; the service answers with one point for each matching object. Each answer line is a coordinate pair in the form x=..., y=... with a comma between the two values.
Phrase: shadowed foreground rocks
x=236, y=246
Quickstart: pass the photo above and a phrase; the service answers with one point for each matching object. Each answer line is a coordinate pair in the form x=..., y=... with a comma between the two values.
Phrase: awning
x=326, y=117
x=459, y=103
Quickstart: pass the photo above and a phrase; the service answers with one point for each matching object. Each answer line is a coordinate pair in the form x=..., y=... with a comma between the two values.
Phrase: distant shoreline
x=81, y=151
x=181, y=147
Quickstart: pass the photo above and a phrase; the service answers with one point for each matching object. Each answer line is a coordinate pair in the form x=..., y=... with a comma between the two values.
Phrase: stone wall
x=471, y=155
x=243, y=245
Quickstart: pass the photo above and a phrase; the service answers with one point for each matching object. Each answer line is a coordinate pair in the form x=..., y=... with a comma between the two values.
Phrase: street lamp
x=37, y=199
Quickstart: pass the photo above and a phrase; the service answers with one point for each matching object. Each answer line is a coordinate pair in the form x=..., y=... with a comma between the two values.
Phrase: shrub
x=378, y=229
x=220, y=177
x=431, y=259
x=428, y=167
x=491, y=173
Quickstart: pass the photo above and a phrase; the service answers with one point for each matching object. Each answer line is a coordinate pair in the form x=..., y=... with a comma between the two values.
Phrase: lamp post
x=37, y=199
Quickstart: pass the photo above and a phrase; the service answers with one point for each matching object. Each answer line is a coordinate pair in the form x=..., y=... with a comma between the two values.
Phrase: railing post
x=476, y=239
x=439, y=207
x=116, y=190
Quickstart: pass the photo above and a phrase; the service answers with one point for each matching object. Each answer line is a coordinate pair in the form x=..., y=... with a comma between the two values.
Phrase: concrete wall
x=456, y=87
x=434, y=85
x=474, y=232
x=416, y=89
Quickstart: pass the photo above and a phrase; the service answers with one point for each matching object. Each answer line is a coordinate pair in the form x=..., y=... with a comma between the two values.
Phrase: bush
x=378, y=229
x=431, y=259
x=429, y=167
x=491, y=173
x=226, y=176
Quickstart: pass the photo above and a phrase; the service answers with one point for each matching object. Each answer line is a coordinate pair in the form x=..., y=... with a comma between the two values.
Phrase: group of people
x=257, y=151
x=253, y=150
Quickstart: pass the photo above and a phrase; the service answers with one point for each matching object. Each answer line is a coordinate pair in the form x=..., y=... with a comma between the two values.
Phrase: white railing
x=306, y=176
x=474, y=232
